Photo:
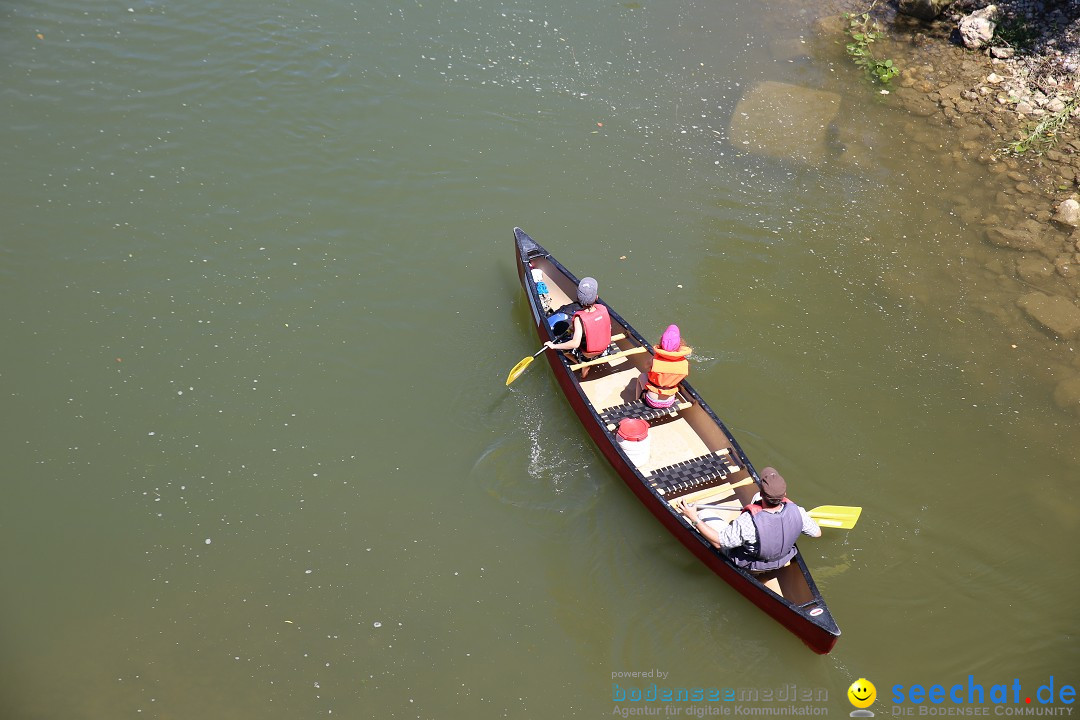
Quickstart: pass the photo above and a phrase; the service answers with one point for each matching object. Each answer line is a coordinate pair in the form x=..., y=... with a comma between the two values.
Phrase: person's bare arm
x=573, y=342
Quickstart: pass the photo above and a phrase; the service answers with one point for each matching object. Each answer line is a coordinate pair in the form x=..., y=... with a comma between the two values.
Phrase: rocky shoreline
x=989, y=97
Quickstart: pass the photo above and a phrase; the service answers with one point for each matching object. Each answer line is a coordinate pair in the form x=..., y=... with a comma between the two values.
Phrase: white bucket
x=633, y=438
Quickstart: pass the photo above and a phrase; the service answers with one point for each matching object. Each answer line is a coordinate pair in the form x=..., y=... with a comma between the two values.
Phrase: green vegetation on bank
x=1043, y=134
x=1015, y=33
x=1020, y=35
x=864, y=31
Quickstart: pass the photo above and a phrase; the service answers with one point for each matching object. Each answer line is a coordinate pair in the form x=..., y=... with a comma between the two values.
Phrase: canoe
x=690, y=453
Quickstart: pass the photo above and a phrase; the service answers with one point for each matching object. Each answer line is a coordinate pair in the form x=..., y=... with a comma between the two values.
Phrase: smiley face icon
x=862, y=693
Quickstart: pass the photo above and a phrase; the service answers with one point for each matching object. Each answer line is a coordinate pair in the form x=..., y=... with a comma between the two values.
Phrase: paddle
x=520, y=367
x=834, y=516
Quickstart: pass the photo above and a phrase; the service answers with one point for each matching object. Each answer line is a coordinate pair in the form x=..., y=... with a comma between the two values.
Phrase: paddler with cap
x=763, y=536
x=592, y=326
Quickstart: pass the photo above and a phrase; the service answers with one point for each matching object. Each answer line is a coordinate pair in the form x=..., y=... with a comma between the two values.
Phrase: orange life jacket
x=597, y=328
x=667, y=371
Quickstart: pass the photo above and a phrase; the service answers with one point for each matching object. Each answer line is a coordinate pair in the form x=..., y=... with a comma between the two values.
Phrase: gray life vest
x=776, y=536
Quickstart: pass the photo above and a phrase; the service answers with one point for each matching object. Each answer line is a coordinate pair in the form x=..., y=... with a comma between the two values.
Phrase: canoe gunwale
x=820, y=631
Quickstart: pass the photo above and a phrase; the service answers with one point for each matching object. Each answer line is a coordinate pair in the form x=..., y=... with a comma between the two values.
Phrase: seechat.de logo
x=862, y=694
x=975, y=693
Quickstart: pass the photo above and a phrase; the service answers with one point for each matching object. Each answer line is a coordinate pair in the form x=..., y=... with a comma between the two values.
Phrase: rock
x=1065, y=266
x=916, y=102
x=1027, y=237
x=1024, y=107
x=994, y=78
x=923, y=9
x=830, y=25
x=1067, y=394
x=1056, y=105
x=977, y=29
x=1068, y=212
x=951, y=91
x=1053, y=312
x=1012, y=239
x=1036, y=271
x=967, y=214
x=786, y=122
x=1002, y=53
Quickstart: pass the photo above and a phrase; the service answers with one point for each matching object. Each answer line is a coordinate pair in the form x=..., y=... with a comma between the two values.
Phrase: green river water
x=260, y=301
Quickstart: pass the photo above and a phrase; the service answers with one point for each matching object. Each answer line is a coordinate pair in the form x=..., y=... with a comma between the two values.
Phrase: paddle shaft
x=824, y=519
x=709, y=492
x=607, y=358
x=518, y=369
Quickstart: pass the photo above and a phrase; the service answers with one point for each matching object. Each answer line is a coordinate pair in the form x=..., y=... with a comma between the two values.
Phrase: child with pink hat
x=660, y=385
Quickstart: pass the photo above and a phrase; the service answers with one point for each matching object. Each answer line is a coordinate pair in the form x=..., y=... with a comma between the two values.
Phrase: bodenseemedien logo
x=862, y=694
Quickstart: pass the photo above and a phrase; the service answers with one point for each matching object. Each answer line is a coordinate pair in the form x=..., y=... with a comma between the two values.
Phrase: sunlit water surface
x=260, y=303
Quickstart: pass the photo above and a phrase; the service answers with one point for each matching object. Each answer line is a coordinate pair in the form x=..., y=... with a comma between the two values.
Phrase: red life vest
x=667, y=371
x=755, y=507
x=596, y=324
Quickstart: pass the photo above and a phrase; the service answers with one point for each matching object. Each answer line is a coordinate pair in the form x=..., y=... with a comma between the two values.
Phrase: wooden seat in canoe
x=694, y=474
x=608, y=356
x=638, y=409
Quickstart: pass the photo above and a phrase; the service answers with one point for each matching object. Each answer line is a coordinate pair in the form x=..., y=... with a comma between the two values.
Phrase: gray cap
x=587, y=291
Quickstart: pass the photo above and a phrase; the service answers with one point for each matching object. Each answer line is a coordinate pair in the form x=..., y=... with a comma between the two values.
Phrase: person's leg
x=585, y=357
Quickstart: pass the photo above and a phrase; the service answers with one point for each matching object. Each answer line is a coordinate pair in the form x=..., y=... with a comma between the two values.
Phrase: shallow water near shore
x=260, y=305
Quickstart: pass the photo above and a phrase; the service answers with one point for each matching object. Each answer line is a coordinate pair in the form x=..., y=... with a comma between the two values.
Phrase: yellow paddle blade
x=836, y=516
x=519, y=368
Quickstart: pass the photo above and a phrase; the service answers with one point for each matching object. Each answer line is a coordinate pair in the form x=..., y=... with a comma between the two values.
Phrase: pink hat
x=671, y=340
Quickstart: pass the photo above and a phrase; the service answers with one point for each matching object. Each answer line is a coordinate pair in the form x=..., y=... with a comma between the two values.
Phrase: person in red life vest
x=659, y=386
x=592, y=326
x=763, y=536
